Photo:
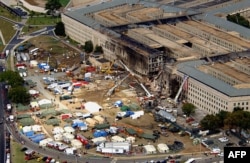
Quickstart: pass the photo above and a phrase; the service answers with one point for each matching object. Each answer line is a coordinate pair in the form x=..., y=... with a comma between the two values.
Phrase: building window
x=242, y=103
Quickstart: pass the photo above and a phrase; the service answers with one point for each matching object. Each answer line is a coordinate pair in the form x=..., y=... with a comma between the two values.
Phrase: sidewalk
x=2, y=38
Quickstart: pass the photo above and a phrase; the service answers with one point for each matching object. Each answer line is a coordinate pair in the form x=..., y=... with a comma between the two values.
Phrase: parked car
x=223, y=139
x=87, y=115
x=23, y=149
x=221, y=154
x=48, y=160
x=8, y=107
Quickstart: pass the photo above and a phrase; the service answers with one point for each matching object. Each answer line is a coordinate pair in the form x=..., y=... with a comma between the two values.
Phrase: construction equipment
x=126, y=68
x=148, y=94
x=111, y=90
x=180, y=89
x=108, y=70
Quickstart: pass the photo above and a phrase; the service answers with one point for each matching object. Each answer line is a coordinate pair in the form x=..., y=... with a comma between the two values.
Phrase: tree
x=32, y=13
x=12, y=78
x=19, y=94
x=52, y=5
x=237, y=108
x=88, y=47
x=210, y=122
x=188, y=109
x=98, y=49
x=239, y=119
x=222, y=115
x=59, y=29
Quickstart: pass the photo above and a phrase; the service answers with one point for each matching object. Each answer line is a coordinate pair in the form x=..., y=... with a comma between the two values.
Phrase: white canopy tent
x=92, y=107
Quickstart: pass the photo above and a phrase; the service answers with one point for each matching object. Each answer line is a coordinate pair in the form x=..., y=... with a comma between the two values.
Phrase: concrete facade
x=211, y=92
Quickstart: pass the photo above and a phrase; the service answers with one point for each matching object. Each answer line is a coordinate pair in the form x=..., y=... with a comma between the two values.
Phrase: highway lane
x=2, y=127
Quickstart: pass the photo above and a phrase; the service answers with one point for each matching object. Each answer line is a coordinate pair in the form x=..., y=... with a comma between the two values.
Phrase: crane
x=111, y=90
x=180, y=89
x=137, y=80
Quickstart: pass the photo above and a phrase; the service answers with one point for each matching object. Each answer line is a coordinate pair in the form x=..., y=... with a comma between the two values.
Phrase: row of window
x=214, y=39
x=241, y=104
x=205, y=94
x=211, y=103
x=225, y=78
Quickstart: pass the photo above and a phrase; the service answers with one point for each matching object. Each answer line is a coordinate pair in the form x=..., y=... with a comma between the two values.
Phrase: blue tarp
x=29, y=133
x=82, y=124
x=79, y=124
x=128, y=113
x=100, y=133
x=118, y=103
x=37, y=139
x=36, y=135
x=43, y=65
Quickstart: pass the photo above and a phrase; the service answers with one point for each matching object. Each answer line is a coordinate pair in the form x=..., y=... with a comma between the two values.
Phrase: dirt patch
x=40, y=3
x=58, y=54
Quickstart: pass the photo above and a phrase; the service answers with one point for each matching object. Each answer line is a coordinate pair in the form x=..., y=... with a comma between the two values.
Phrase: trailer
x=112, y=150
x=33, y=50
x=114, y=147
x=7, y=53
x=18, y=57
x=27, y=56
x=23, y=56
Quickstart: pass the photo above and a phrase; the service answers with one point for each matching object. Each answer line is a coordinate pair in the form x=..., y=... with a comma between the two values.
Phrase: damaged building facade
x=150, y=37
x=111, y=25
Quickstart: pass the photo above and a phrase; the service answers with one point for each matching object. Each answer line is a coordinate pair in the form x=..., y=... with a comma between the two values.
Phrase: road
x=49, y=152
x=2, y=127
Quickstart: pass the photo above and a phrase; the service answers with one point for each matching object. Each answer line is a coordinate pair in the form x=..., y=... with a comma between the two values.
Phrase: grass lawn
x=6, y=13
x=42, y=20
x=64, y=2
x=28, y=30
x=7, y=31
x=17, y=155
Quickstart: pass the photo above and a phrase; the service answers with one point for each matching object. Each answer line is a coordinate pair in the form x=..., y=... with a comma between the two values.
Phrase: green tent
x=52, y=121
x=148, y=136
x=51, y=112
x=102, y=126
x=27, y=121
x=64, y=111
x=46, y=106
x=125, y=108
x=20, y=116
x=131, y=131
x=21, y=107
x=134, y=106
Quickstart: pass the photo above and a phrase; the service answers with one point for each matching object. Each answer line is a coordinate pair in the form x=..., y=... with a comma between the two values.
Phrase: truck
x=24, y=57
x=11, y=118
x=82, y=139
x=7, y=53
x=113, y=147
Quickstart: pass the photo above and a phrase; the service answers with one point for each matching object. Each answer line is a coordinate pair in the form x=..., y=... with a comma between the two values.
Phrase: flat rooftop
x=191, y=38
x=193, y=70
x=219, y=33
x=118, y=15
x=228, y=69
x=128, y=14
x=181, y=50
